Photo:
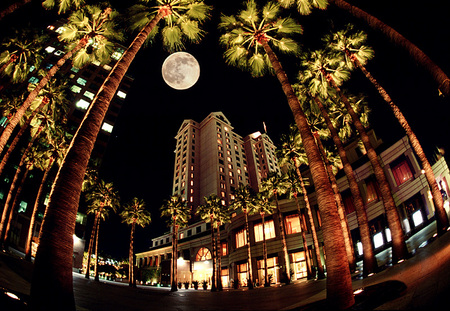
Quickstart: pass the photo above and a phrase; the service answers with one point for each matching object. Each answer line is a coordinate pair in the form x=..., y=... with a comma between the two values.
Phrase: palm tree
x=222, y=217
x=264, y=208
x=274, y=185
x=294, y=188
x=369, y=260
x=324, y=71
x=87, y=28
x=178, y=212
x=244, y=200
x=292, y=154
x=209, y=212
x=248, y=40
x=102, y=198
x=356, y=54
x=57, y=147
x=134, y=213
x=67, y=188
x=63, y=5
x=441, y=79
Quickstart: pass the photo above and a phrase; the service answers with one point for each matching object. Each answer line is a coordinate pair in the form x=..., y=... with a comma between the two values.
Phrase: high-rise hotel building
x=210, y=158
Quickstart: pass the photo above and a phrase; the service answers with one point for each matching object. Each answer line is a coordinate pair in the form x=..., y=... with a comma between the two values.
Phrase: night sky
x=140, y=157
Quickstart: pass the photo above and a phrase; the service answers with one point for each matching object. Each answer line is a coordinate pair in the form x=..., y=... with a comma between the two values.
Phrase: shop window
x=241, y=238
x=269, y=230
x=272, y=269
x=292, y=224
x=402, y=171
x=242, y=274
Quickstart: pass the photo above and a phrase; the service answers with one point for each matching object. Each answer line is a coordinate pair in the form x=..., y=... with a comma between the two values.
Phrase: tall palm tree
x=87, y=28
x=324, y=71
x=248, y=39
x=67, y=188
x=356, y=54
x=102, y=199
x=209, y=212
x=134, y=213
x=441, y=79
x=274, y=185
x=264, y=208
x=63, y=5
x=293, y=155
x=176, y=209
x=294, y=189
x=223, y=216
x=244, y=200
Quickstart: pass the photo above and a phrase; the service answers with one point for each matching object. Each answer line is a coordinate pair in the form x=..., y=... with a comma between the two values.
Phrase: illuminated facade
x=409, y=188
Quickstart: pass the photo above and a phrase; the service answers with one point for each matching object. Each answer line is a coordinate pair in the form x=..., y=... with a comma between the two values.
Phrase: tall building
x=210, y=158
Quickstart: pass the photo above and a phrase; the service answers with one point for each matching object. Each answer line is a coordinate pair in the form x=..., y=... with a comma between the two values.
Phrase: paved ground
x=426, y=277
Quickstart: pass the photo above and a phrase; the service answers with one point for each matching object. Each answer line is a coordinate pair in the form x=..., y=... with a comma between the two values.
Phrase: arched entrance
x=203, y=267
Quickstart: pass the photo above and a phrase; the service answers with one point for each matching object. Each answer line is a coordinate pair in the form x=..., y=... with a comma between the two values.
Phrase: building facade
x=408, y=185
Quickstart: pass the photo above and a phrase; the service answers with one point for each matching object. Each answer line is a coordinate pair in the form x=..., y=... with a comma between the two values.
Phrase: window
x=269, y=229
x=107, y=127
x=292, y=224
x=348, y=202
x=49, y=49
x=224, y=248
x=203, y=254
x=372, y=190
x=241, y=238
x=82, y=104
x=89, y=95
x=75, y=89
x=402, y=172
x=121, y=94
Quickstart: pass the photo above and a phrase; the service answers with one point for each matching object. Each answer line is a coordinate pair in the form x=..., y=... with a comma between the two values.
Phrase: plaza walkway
x=420, y=282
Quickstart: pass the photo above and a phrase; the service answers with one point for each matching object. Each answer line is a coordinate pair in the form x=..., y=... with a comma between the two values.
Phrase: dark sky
x=139, y=159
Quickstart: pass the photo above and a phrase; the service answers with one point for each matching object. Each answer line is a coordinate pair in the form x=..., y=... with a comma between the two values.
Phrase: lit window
x=203, y=254
x=224, y=248
x=107, y=127
x=402, y=172
x=88, y=94
x=82, y=104
x=96, y=63
x=33, y=80
x=75, y=89
x=117, y=54
x=121, y=94
x=372, y=191
x=378, y=240
x=74, y=69
x=59, y=53
x=81, y=81
x=49, y=49
x=292, y=224
x=241, y=238
x=60, y=29
x=269, y=229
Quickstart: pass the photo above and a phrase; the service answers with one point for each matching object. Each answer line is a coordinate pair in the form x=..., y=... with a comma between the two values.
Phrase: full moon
x=180, y=70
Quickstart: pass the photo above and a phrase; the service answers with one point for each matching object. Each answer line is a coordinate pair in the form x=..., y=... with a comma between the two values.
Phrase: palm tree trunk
x=16, y=139
x=417, y=54
x=96, y=276
x=339, y=283
x=249, y=253
x=219, y=260
x=132, y=279
x=213, y=257
x=399, y=250
x=33, y=94
x=35, y=210
x=91, y=246
x=10, y=9
x=174, y=269
x=52, y=274
x=441, y=216
x=340, y=207
x=369, y=260
x=320, y=269
x=266, y=275
x=287, y=269
x=305, y=244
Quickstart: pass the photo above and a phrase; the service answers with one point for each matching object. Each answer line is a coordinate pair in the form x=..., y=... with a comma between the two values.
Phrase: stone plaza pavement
x=426, y=276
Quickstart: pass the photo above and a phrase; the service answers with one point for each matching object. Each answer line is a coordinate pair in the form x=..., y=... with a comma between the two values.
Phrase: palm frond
x=172, y=38
x=288, y=26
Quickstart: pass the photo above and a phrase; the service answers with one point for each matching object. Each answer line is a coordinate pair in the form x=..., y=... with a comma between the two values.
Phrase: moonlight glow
x=180, y=70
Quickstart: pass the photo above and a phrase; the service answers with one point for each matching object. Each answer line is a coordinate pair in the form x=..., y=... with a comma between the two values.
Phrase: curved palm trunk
x=339, y=284
x=219, y=260
x=132, y=279
x=441, y=216
x=213, y=258
x=33, y=94
x=52, y=274
x=266, y=275
x=320, y=269
x=287, y=265
x=174, y=270
x=96, y=277
x=399, y=250
x=305, y=244
x=14, y=204
x=249, y=253
x=340, y=207
x=91, y=246
x=369, y=260
x=10, y=9
x=417, y=54
x=35, y=210
x=16, y=139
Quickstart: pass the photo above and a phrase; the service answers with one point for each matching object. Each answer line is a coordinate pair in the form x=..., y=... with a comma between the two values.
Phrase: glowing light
x=13, y=296
x=358, y=291
x=378, y=240
x=371, y=274
x=401, y=260
x=417, y=218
